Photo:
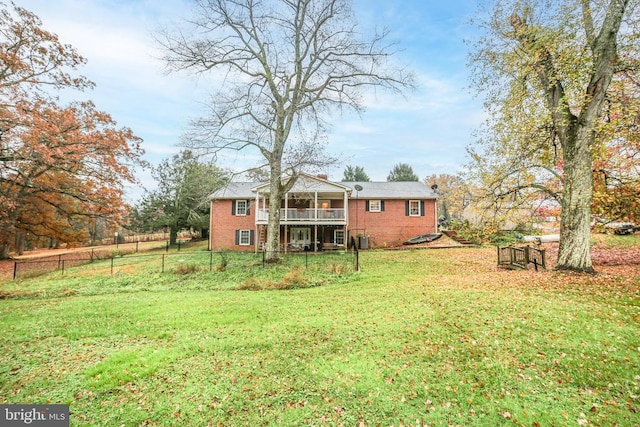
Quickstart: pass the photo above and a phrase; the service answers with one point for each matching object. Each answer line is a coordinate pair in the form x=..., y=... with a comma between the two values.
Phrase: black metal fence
x=180, y=261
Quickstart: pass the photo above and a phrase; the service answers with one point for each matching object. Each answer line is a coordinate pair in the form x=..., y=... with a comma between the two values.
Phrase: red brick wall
x=224, y=226
x=391, y=227
x=388, y=228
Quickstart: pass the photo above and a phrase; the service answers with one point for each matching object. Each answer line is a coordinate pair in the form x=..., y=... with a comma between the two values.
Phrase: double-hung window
x=241, y=208
x=374, y=206
x=414, y=208
x=244, y=237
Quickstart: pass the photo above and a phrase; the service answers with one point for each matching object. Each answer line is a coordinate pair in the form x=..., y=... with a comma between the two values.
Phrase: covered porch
x=307, y=238
x=313, y=215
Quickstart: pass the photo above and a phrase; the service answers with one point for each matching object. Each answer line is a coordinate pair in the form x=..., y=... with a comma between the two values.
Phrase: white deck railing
x=305, y=215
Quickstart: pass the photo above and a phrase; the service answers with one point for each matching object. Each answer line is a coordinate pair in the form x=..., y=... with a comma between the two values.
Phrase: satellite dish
x=358, y=187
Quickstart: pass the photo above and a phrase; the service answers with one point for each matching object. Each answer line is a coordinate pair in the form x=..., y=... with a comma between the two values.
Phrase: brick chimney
x=322, y=176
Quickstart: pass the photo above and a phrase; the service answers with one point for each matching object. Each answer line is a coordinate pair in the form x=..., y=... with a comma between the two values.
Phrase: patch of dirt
x=442, y=242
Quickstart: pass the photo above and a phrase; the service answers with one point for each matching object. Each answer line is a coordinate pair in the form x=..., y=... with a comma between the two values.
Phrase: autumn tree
x=32, y=58
x=355, y=174
x=287, y=65
x=453, y=195
x=545, y=68
x=617, y=153
x=60, y=167
x=402, y=172
x=181, y=200
x=64, y=168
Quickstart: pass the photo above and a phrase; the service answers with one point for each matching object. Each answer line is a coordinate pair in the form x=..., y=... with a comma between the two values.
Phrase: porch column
x=346, y=210
x=286, y=206
x=256, y=210
x=315, y=243
x=315, y=204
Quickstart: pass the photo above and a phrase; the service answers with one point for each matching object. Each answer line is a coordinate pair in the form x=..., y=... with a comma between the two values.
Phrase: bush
x=294, y=279
x=488, y=232
x=185, y=269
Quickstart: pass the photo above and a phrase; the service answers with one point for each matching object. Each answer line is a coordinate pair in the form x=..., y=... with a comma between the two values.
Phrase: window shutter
x=248, y=207
x=251, y=233
x=381, y=205
x=421, y=207
x=406, y=208
x=366, y=205
x=237, y=236
x=233, y=208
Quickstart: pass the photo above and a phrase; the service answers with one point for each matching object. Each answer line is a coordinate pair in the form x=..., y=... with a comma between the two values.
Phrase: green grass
x=438, y=337
x=619, y=241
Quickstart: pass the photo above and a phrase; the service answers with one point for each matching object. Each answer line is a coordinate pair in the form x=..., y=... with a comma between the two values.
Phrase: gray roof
x=236, y=190
x=370, y=190
x=391, y=190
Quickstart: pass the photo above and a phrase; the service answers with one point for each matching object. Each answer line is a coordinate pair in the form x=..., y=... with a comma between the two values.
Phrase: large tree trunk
x=273, y=227
x=4, y=251
x=21, y=242
x=173, y=234
x=575, y=221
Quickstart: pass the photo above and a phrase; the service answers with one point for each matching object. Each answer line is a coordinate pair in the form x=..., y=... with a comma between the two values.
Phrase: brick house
x=317, y=214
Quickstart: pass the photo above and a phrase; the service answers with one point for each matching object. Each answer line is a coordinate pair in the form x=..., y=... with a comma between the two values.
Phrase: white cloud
x=428, y=128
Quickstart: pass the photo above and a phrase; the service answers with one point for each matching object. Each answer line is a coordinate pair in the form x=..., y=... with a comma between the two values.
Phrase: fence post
x=137, y=241
x=163, y=260
x=63, y=267
x=112, y=266
x=15, y=269
x=167, y=246
x=264, y=254
x=59, y=260
x=179, y=241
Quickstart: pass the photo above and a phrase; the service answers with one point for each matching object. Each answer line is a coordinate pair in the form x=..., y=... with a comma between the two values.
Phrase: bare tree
x=286, y=64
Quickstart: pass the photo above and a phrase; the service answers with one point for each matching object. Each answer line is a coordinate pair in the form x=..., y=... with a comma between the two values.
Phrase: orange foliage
x=67, y=168
x=617, y=157
x=61, y=168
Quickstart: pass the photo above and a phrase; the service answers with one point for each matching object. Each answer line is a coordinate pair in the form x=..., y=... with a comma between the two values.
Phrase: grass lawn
x=419, y=337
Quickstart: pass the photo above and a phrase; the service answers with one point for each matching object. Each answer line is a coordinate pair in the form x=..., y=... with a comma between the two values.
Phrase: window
x=243, y=237
x=414, y=208
x=375, y=206
x=338, y=237
x=241, y=208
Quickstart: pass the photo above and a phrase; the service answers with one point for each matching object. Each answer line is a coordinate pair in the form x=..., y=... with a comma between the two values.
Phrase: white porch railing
x=331, y=215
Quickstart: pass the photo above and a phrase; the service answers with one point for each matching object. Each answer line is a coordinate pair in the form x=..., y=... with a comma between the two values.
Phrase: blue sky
x=428, y=129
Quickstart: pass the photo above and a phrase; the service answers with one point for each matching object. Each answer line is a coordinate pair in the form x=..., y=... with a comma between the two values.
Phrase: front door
x=300, y=238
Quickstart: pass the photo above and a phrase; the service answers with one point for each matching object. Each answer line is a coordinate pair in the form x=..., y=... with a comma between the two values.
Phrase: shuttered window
x=414, y=208
x=244, y=237
x=374, y=206
x=240, y=208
